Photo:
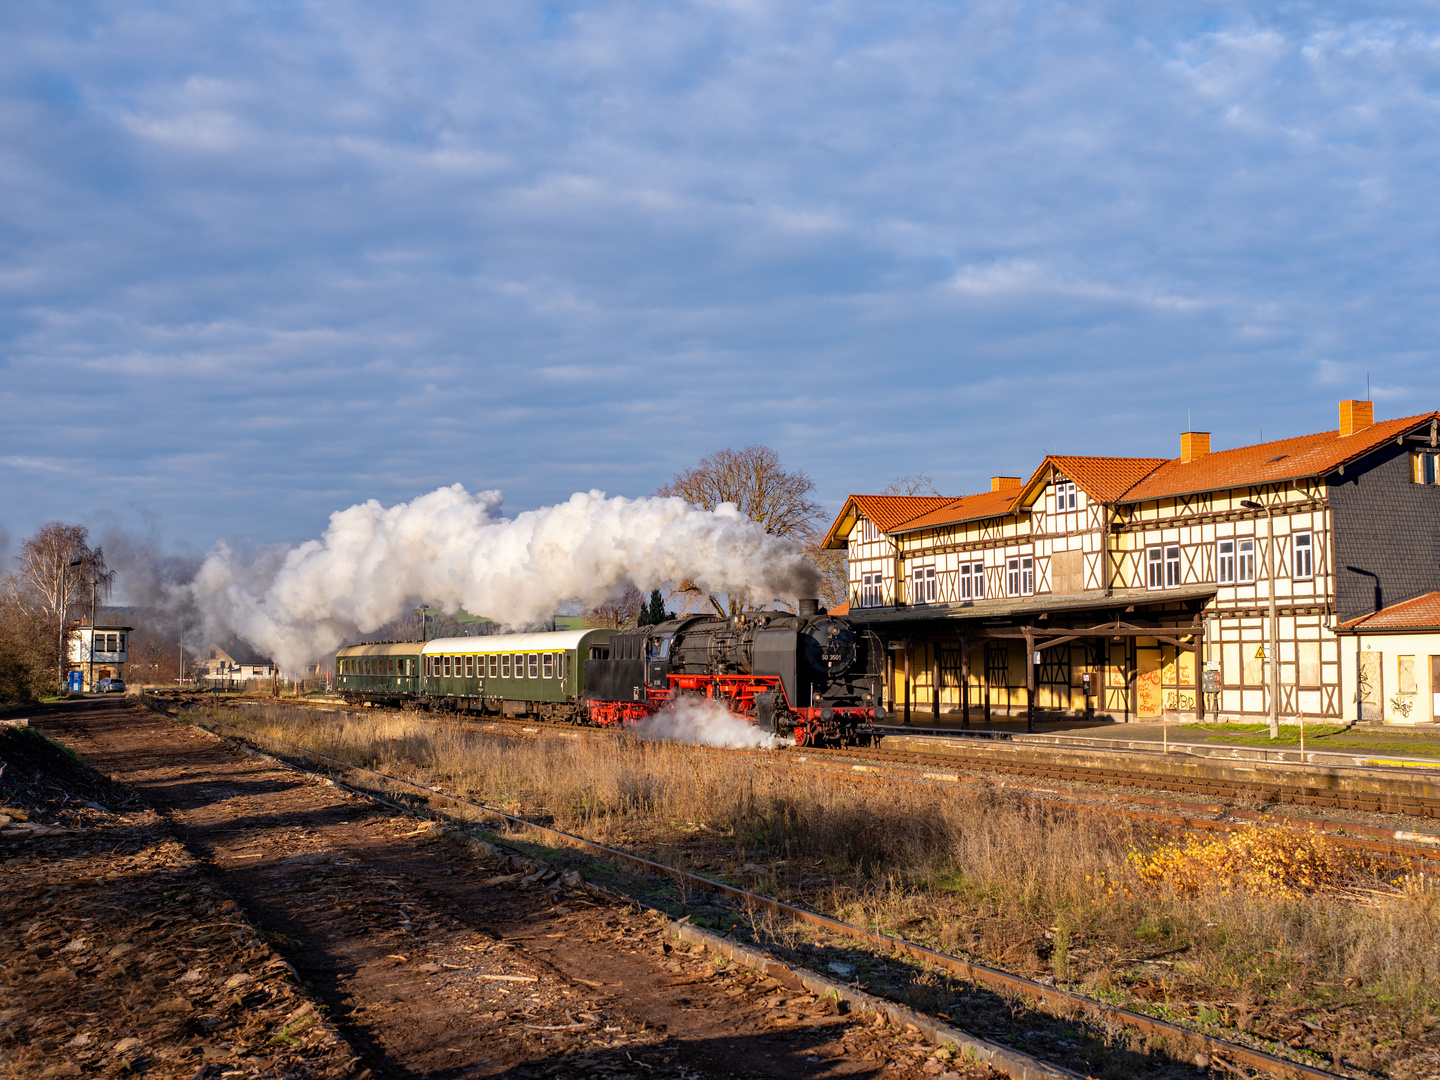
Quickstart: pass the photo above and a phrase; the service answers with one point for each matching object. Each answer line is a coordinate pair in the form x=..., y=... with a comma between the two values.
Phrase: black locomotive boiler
x=809, y=675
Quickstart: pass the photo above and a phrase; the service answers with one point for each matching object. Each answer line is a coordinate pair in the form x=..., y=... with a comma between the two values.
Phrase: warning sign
x=1262, y=653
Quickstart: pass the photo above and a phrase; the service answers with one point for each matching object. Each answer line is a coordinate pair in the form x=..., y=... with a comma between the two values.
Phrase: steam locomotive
x=808, y=675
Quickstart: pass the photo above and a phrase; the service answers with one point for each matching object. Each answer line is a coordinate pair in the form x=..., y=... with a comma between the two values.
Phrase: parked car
x=107, y=686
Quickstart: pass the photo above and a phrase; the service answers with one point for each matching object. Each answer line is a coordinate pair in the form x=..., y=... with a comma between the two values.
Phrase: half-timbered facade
x=1137, y=587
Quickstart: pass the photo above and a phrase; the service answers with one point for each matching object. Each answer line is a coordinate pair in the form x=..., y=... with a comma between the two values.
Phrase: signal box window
x=1304, y=555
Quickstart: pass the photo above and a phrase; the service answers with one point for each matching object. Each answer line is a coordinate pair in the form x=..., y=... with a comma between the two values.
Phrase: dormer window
x=1065, y=496
x=1425, y=467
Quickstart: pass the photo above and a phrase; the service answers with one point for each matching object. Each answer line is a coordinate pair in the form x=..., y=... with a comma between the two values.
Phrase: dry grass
x=1079, y=897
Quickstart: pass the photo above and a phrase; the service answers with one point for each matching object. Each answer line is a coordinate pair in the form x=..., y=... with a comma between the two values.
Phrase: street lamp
x=422, y=609
x=1251, y=504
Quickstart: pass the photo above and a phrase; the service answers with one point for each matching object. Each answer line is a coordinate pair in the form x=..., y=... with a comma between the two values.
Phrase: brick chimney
x=1004, y=483
x=1356, y=416
x=1194, y=444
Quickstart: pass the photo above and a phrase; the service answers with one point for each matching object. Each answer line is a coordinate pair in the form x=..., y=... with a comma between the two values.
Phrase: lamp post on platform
x=1274, y=680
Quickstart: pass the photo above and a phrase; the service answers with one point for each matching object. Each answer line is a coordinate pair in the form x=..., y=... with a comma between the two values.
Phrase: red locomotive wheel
x=802, y=735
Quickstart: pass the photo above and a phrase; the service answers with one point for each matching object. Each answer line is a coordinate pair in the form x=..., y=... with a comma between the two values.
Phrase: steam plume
x=704, y=722
x=452, y=549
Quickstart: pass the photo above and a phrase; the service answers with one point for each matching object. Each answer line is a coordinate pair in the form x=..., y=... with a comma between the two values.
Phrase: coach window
x=1304, y=555
x=505, y=665
x=469, y=667
x=534, y=665
x=549, y=661
x=494, y=665
x=562, y=665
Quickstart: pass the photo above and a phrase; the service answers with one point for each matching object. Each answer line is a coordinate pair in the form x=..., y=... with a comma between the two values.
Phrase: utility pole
x=94, y=584
x=64, y=606
x=1274, y=680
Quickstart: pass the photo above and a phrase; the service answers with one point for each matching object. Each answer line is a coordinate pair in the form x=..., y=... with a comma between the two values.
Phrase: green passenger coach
x=387, y=672
x=540, y=675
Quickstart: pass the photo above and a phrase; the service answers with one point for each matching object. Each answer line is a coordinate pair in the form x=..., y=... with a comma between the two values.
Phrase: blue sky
x=260, y=261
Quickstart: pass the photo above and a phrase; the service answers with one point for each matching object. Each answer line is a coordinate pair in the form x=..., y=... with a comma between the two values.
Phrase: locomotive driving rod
x=1067, y=1003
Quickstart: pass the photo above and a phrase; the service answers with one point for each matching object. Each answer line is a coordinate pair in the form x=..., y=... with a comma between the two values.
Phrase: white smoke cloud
x=702, y=722
x=451, y=549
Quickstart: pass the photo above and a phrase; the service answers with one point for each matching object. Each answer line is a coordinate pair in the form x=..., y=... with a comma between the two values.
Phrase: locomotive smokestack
x=809, y=606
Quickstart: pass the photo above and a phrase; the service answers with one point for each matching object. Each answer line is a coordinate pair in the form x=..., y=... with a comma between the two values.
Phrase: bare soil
x=213, y=914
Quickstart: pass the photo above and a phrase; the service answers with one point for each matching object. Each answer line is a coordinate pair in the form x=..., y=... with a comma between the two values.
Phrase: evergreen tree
x=654, y=613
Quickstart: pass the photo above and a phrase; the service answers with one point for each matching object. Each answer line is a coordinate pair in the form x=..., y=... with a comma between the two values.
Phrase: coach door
x=1435, y=688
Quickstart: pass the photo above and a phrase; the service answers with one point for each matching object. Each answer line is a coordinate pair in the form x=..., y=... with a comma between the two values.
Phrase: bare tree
x=761, y=487
x=620, y=613
x=912, y=484
x=56, y=568
x=755, y=481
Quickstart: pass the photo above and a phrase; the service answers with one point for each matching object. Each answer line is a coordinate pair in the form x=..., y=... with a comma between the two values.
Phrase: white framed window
x=1304, y=545
x=870, y=590
x=1065, y=495
x=1020, y=576
x=534, y=665
x=446, y=671
x=1172, y=565
x=868, y=532
x=922, y=585
x=1154, y=568
x=1245, y=562
x=1225, y=562
x=971, y=581
x=505, y=665
x=492, y=664
x=548, y=668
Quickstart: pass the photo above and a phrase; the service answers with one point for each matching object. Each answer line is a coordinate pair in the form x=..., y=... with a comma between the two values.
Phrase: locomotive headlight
x=827, y=714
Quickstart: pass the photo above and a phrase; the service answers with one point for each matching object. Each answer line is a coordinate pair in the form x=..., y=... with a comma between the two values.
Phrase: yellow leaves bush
x=1269, y=862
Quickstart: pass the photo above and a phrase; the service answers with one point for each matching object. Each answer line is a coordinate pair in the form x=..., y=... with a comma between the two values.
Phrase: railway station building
x=1199, y=586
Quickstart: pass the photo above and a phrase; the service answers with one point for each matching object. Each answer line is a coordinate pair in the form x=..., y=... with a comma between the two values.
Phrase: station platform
x=1355, y=745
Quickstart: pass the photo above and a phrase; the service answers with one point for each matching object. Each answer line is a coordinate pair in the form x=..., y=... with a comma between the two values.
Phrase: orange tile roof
x=1266, y=463
x=886, y=511
x=1423, y=612
x=1104, y=479
x=966, y=508
x=841, y=609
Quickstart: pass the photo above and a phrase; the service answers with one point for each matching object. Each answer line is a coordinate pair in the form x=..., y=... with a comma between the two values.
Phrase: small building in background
x=98, y=652
x=232, y=663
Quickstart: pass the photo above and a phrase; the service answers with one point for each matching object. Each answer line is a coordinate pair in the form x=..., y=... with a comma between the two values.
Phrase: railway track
x=1408, y=805
x=1064, y=1002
